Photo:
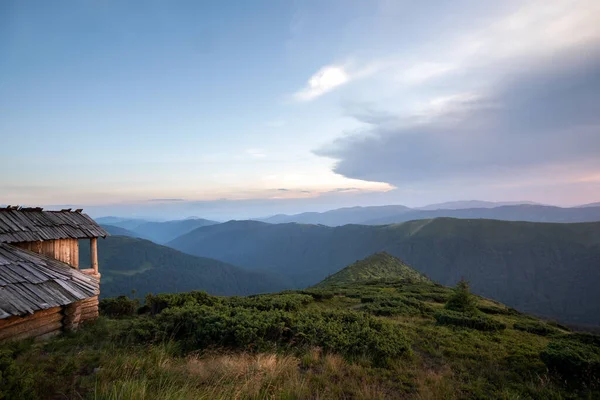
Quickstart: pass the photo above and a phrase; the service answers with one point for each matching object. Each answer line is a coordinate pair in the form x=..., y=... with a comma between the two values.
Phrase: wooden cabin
x=42, y=289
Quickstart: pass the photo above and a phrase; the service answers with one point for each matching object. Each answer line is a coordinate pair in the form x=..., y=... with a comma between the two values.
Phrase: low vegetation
x=367, y=340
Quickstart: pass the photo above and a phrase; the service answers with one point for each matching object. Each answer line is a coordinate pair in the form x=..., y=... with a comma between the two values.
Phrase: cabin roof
x=30, y=282
x=34, y=224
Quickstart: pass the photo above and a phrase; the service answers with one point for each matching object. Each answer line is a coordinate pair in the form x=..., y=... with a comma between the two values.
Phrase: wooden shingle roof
x=34, y=224
x=30, y=282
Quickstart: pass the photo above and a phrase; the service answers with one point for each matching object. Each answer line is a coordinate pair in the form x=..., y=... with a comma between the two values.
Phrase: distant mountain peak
x=377, y=266
x=464, y=204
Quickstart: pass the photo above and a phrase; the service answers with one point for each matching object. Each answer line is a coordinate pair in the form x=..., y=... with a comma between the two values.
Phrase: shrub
x=159, y=302
x=349, y=333
x=479, y=322
x=535, y=327
x=462, y=300
x=319, y=295
x=494, y=310
x=573, y=360
x=387, y=306
x=119, y=307
x=285, y=302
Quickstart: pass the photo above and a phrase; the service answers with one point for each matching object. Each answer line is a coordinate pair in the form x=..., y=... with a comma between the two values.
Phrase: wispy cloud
x=323, y=81
x=256, y=153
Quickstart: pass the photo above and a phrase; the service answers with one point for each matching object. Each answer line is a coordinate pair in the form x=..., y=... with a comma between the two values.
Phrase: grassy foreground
x=382, y=339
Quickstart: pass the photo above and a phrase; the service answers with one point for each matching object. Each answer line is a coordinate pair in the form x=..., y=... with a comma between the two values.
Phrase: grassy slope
x=105, y=361
x=379, y=266
x=547, y=269
x=131, y=263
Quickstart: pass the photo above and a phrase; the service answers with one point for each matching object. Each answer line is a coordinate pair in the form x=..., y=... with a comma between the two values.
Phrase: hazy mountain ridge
x=529, y=213
x=118, y=231
x=163, y=232
x=340, y=216
x=157, y=231
x=548, y=269
x=136, y=264
x=381, y=215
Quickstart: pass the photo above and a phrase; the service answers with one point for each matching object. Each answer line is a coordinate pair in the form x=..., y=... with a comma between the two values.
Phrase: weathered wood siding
x=41, y=324
x=65, y=250
x=47, y=323
x=89, y=309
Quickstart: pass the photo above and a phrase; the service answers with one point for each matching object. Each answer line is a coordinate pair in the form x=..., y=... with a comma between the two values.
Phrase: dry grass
x=314, y=375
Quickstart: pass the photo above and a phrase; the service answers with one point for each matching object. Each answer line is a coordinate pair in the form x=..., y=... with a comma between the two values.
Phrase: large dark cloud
x=539, y=115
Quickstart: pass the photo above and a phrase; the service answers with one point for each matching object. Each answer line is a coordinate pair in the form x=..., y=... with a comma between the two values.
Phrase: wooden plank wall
x=42, y=324
x=89, y=309
x=46, y=323
x=65, y=250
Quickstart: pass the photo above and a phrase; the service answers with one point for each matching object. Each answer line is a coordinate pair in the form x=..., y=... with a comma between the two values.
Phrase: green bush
x=388, y=306
x=494, y=310
x=479, y=322
x=462, y=300
x=159, y=302
x=573, y=360
x=535, y=327
x=201, y=327
x=318, y=295
x=285, y=302
x=119, y=307
x=352, y=334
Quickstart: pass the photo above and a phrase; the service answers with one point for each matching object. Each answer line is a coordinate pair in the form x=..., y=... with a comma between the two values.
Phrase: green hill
x=372, y=340
x=128, y=264
x=548, y=269
x=379, y=266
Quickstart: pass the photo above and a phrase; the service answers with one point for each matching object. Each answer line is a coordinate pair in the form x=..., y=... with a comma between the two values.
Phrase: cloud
x=256, y=153
x=165, y=200
x=541, y=117
x=421, y=72
x=323, y=81
x=333, y=76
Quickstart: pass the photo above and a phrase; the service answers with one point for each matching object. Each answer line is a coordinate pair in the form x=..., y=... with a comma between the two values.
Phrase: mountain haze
x=548, y=269
x=136, y=264
x=461, y=204
x=118, y=231
x=382, y=215
x=163, y=232
x=340, y=216
x=523, y=212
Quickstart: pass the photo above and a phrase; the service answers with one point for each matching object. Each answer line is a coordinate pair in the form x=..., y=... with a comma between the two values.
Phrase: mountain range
x=548, y=269
x=136, y=264
x=381, y=215
x=158, y=232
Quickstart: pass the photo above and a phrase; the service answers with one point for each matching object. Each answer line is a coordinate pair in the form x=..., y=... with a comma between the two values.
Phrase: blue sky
x=298, y=105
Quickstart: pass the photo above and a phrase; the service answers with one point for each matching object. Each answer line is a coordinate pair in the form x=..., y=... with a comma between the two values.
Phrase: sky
x=246, y=109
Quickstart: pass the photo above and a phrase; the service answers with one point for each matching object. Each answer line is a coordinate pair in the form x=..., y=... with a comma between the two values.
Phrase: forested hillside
x=546, y=269
x=128, y=264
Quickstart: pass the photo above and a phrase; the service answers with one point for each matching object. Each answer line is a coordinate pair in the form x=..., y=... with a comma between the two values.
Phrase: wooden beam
x=94, y=254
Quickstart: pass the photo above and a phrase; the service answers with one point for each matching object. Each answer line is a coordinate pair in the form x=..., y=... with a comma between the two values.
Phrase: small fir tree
x=462, y=300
